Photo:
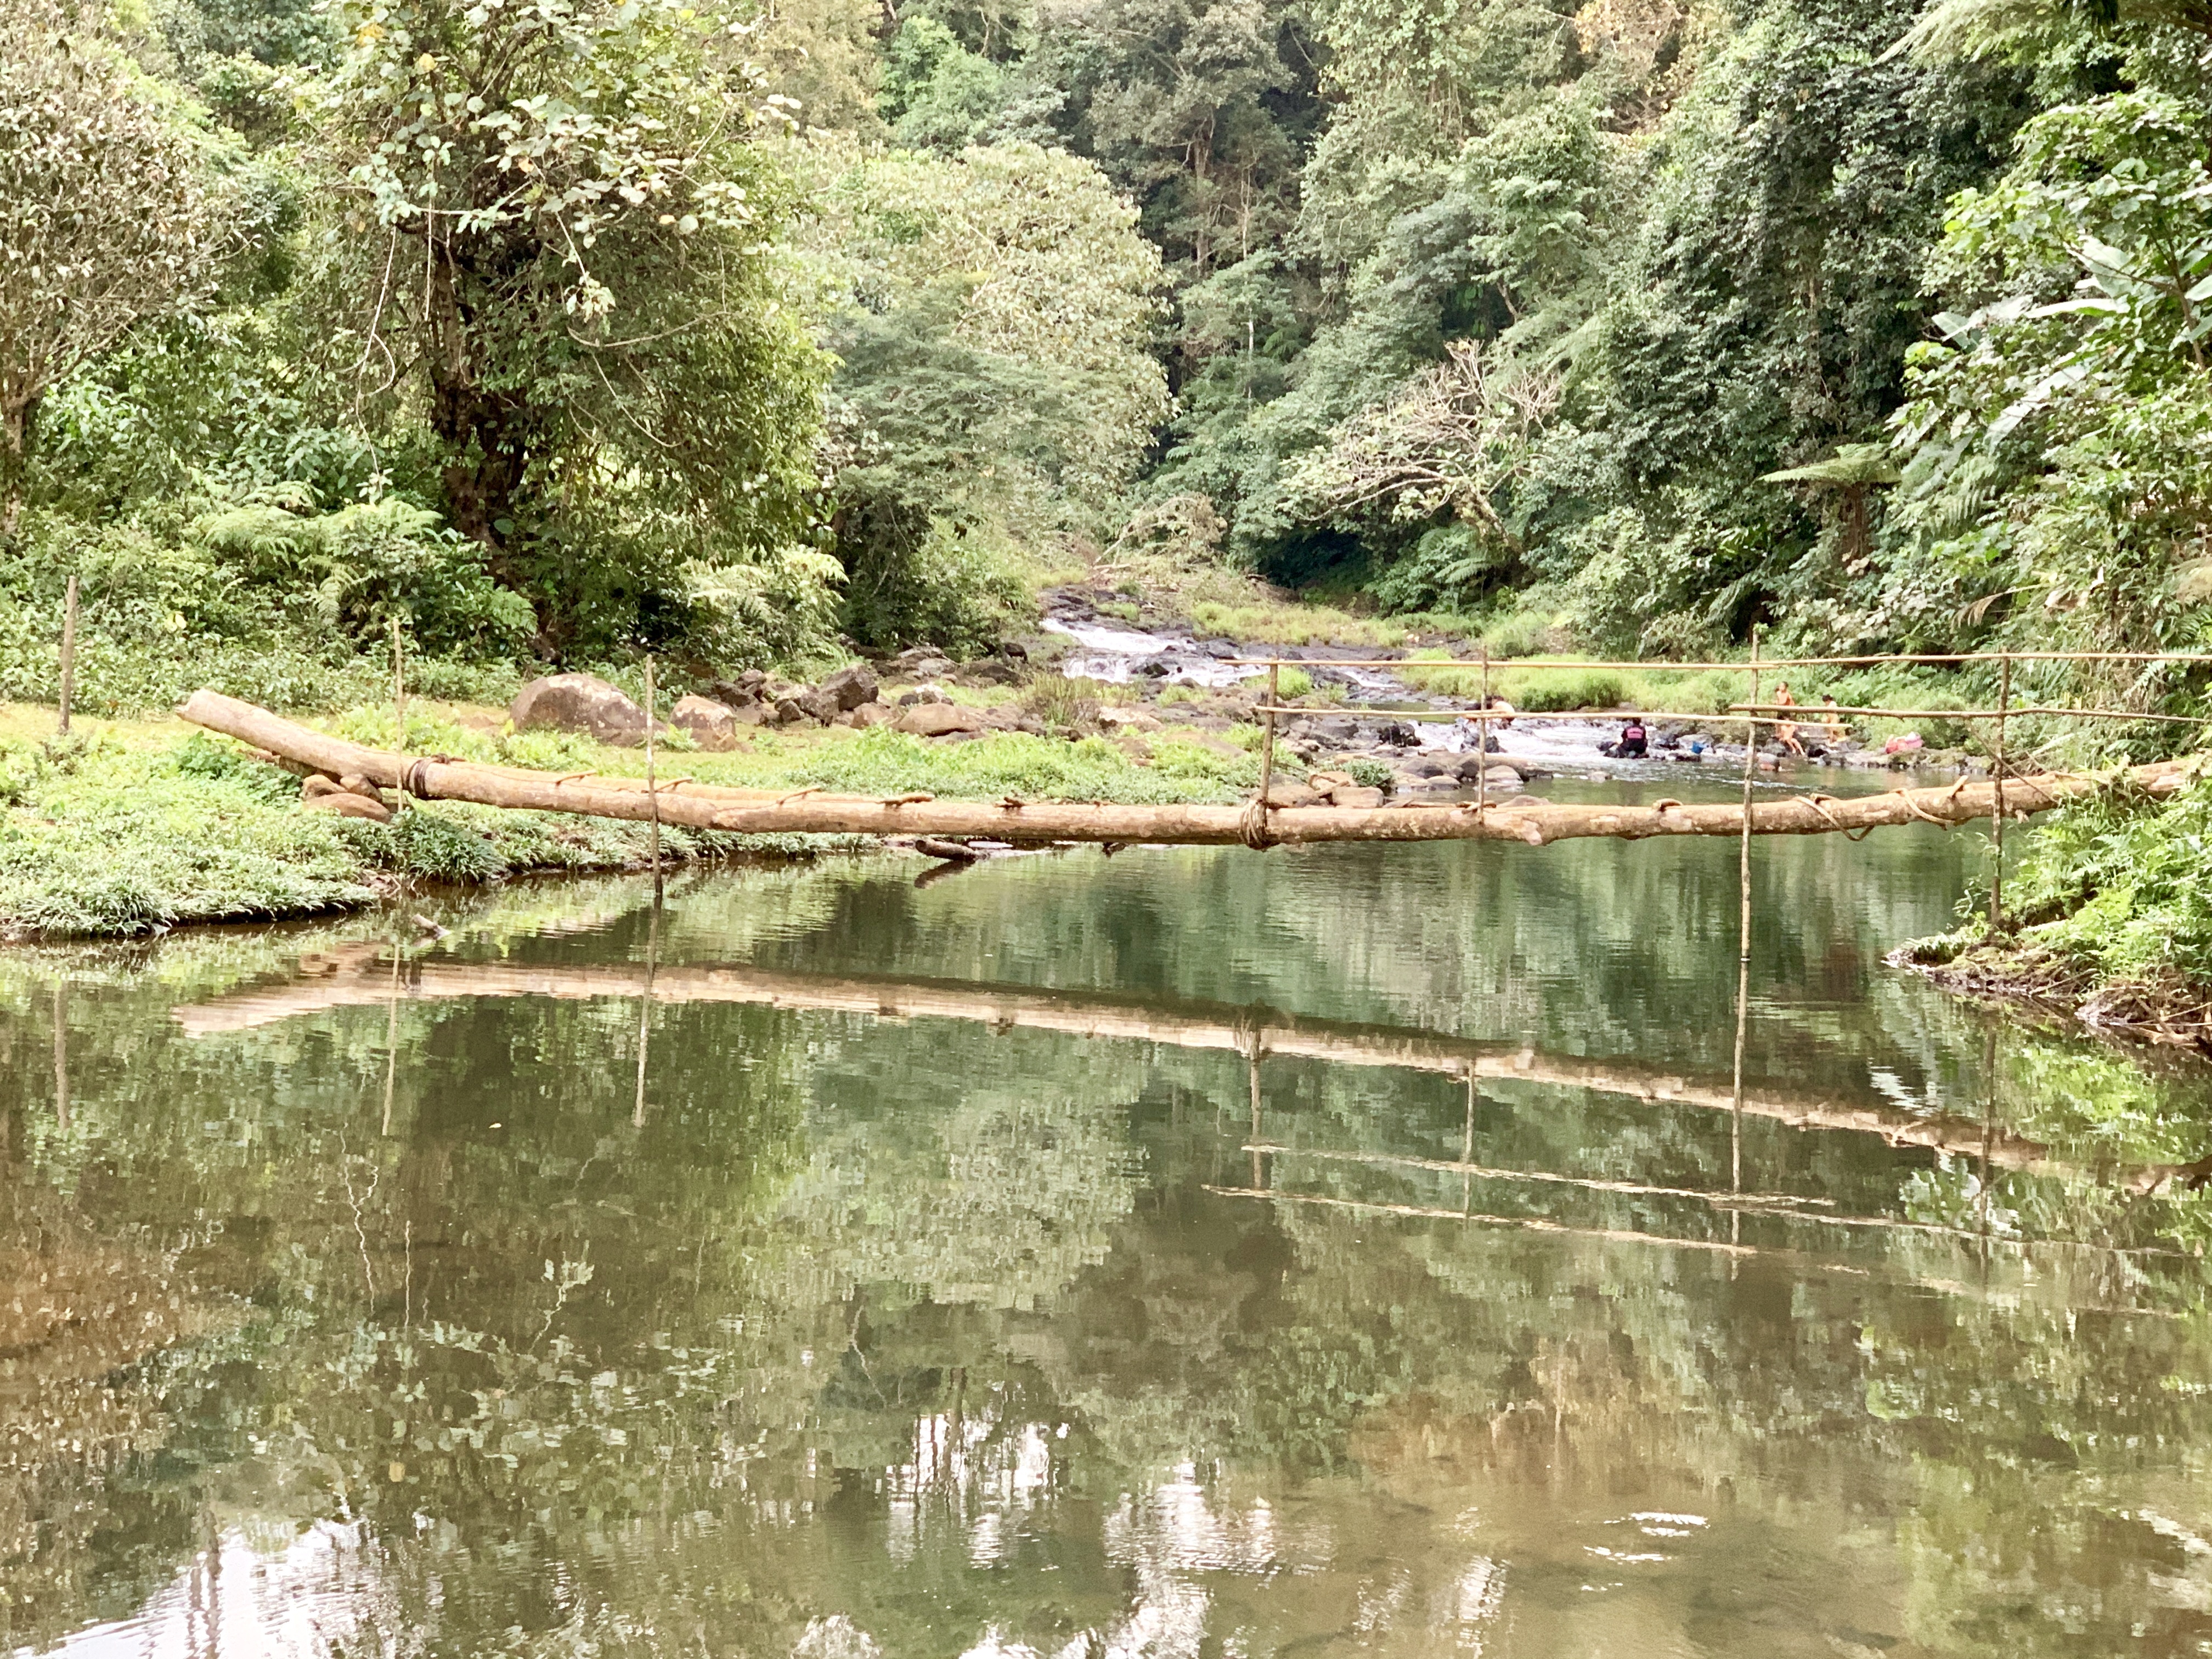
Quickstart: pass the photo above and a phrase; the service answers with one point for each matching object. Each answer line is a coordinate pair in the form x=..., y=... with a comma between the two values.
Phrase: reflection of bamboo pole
x=1252, y=1085
x=1537, y=823
x=645, y=1002
x=1182, y=1025
x=1525, y=1223
x=1735, y=1252
x=391, y=1041
x=61, y=1057
x=1787, y=1207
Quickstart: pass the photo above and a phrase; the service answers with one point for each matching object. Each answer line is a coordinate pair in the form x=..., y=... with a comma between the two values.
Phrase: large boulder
x=848, y=687
x=712, y=724
x=939, y=720
x=819, y=703
x=873, y=713
x=578, y=703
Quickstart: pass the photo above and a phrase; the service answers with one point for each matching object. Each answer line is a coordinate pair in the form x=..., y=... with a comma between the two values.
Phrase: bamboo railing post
x=653, y=796
x=1997, y=792
x=1267, y=740
x=1482, y=737
x=398, y=704
x=67, y=691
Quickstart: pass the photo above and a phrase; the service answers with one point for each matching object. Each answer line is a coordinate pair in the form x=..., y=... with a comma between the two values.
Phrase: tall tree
x=557, y=239
x=105, y=212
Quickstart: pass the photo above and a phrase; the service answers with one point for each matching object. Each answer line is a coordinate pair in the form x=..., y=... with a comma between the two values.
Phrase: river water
x=1191, y=1253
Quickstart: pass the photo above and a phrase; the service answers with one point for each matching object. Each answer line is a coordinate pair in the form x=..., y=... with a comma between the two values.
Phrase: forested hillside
x=567, y=331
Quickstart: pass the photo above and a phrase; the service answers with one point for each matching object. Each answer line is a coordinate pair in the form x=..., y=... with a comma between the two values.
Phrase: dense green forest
x=569, y=331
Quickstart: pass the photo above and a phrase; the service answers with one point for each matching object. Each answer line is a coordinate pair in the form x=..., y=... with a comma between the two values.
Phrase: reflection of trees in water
x=806, y=1344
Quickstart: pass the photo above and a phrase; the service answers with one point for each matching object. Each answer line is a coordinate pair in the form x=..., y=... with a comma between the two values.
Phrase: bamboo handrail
x=1896, y=659
x=1804, y=714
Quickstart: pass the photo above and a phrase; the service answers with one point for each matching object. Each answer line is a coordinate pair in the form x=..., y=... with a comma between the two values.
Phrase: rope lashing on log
x=813, y=810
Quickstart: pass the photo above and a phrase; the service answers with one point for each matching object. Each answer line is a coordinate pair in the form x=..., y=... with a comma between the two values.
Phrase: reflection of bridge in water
x=1255, y=1032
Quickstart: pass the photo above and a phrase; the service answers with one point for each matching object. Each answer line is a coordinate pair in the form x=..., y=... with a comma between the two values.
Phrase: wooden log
x=812, y=812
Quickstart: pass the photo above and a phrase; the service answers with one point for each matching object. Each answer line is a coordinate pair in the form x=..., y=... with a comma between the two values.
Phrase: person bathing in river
x=1785, y=732
x=1634, y=740
x=1833, y=728
x=1486, y=732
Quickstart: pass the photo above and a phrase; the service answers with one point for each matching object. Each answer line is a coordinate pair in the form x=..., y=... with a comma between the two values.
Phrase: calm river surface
x=1187, y=1253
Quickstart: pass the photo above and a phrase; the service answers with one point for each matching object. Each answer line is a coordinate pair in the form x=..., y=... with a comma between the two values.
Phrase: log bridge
x=815, y=812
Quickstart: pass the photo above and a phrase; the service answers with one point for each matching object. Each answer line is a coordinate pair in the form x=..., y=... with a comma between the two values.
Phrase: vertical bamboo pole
x=1482, y=737
x=399, y=704
x=653, y=796
x=1268, y=738
x=67, y=691
x=1998, y=789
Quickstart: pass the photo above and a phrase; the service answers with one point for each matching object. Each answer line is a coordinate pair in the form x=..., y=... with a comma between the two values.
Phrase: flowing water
x=1354, y=1250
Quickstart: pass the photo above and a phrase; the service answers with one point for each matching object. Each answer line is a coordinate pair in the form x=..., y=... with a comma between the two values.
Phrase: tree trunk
x=812, y=812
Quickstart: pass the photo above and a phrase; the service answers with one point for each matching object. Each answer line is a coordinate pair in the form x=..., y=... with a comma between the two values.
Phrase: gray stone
x=1284, y=793
x=851, y=687
x=1352, y=794
x=873, y=713
x=820, y=703
x=578, y=703
x=712, y=724
x=788, y=711
x=939, y=720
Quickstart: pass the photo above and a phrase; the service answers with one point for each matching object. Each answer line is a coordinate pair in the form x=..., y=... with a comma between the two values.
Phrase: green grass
x=137, y=828
x=884, y=762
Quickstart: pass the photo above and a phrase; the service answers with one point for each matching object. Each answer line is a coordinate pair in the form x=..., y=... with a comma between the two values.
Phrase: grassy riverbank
x=2111, y=919
x=131, y=826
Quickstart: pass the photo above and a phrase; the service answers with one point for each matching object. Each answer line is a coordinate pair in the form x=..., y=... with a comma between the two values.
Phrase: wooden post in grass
x=68, y=689
x=399, y=705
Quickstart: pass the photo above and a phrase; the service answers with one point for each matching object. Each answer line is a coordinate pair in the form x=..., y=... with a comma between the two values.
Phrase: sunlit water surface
x=1188, y=1253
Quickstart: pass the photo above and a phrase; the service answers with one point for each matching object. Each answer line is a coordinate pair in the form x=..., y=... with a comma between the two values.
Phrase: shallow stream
x=1187, y=1253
